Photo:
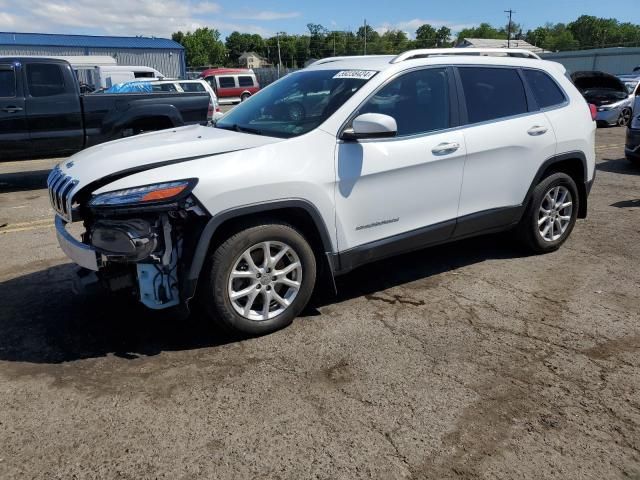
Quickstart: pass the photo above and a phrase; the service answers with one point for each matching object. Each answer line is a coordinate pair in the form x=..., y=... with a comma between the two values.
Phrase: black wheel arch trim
x=202, y=248
x=584, y=187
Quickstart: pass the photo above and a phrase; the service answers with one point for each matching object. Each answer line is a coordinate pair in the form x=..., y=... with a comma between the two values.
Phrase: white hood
x=156, y=148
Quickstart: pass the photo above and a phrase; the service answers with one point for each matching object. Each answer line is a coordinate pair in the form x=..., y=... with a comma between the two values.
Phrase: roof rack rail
x=444, y=52
x=347, y=57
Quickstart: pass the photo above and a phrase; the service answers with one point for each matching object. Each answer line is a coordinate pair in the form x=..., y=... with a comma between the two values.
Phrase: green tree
x=202, y=47
x=177, y=37
x=552, y=37
x=484, y=30
x=443, y=37
x=317, y=35
x=426, y=36
x=393, y=41
x=238, y=43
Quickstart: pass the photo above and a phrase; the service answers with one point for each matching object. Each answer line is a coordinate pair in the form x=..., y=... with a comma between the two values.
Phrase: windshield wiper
x=237, y=128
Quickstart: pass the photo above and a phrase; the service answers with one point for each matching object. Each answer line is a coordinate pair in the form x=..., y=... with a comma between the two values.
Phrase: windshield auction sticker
x=359, y=74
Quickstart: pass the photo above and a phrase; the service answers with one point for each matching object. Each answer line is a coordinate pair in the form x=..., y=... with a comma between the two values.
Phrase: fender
x=583, y=187
x=214, y=223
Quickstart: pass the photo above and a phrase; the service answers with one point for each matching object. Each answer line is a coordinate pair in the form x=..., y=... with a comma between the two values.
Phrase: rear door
x=54, y=113
x=14, y=135
x=507, y=138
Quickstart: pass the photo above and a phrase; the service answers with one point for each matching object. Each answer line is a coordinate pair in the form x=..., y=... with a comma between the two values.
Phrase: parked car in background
x=170, y=86
x=393, y=154
x=232, y=85
x=632, y=144
x=608, y=93
x=43, y=113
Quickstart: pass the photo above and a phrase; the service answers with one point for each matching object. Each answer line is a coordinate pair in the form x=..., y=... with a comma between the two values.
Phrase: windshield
x=296, y=104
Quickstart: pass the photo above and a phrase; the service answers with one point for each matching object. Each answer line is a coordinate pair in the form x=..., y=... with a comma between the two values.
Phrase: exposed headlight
x=148, y=194
x=606, y=108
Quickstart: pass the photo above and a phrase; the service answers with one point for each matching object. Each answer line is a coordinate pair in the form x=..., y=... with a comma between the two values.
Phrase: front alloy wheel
x=259, y=278
x=265, y=280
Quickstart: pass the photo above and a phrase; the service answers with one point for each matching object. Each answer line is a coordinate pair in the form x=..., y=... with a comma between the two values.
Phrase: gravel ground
x=464, y=361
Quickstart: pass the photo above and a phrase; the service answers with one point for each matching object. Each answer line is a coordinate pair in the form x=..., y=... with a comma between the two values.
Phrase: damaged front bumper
x=81, y=253
x=141, y=255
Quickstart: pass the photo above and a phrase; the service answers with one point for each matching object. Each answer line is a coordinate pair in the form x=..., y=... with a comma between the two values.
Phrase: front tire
x=244, y=97
x=260, y=279
x=550, y=215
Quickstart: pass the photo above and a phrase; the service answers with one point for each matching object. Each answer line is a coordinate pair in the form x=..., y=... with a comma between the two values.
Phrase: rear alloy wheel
x=555, y=212
x=625, y=117
x=260, y=279
x=551, y=214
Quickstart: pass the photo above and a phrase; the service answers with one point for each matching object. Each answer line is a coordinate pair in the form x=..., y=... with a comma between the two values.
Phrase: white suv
x=345, y=162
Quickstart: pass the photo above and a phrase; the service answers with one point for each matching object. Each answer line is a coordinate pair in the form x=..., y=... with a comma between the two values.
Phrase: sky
x=162, y=17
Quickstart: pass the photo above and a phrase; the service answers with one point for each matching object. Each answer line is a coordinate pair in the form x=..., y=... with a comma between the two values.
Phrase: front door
x=14, y=134
x=402, y=192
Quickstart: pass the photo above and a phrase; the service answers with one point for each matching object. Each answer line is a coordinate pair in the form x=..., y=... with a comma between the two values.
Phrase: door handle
x=12, y=109
x=445, y=148
x=537, y=130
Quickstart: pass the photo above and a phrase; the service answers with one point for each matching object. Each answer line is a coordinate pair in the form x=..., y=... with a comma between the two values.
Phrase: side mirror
x=371, y=125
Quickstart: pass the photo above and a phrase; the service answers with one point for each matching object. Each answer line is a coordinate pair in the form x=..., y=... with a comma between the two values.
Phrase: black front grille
x=60, y=187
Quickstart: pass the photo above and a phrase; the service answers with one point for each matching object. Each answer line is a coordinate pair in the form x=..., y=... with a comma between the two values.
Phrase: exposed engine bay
x=144, y=252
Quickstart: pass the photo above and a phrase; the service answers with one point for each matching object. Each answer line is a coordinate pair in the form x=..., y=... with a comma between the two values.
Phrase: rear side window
x=492, y=93
x=7, y=82
x=192, y=87
x=227, y=82
x=545, y=90
x=245, y=81
x=45, y=80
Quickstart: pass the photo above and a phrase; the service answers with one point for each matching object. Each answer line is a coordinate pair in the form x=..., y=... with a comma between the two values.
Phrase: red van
x=232, y=85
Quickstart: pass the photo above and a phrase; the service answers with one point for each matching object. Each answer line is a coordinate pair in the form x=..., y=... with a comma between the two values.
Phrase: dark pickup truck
x=42, y=112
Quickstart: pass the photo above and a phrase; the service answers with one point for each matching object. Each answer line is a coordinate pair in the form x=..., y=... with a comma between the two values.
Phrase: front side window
x=45, y=80
x=245, y=81
x=418, y=101
x=297, y=103
x=492, y=93
x=227, y=82
x=545, y=90
x=7, y=82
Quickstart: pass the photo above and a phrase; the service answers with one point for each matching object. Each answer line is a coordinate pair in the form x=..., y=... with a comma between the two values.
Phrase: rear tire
x=550, y=215
x=625, y=117
x=240, y=281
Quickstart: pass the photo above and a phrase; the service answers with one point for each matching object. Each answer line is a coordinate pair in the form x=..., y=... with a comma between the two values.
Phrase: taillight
x=594, y=111
x=210, y=110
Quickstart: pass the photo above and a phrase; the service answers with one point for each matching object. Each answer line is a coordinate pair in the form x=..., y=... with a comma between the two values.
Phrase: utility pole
x=510, y=12
x=279, y=57
x=365, y=36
